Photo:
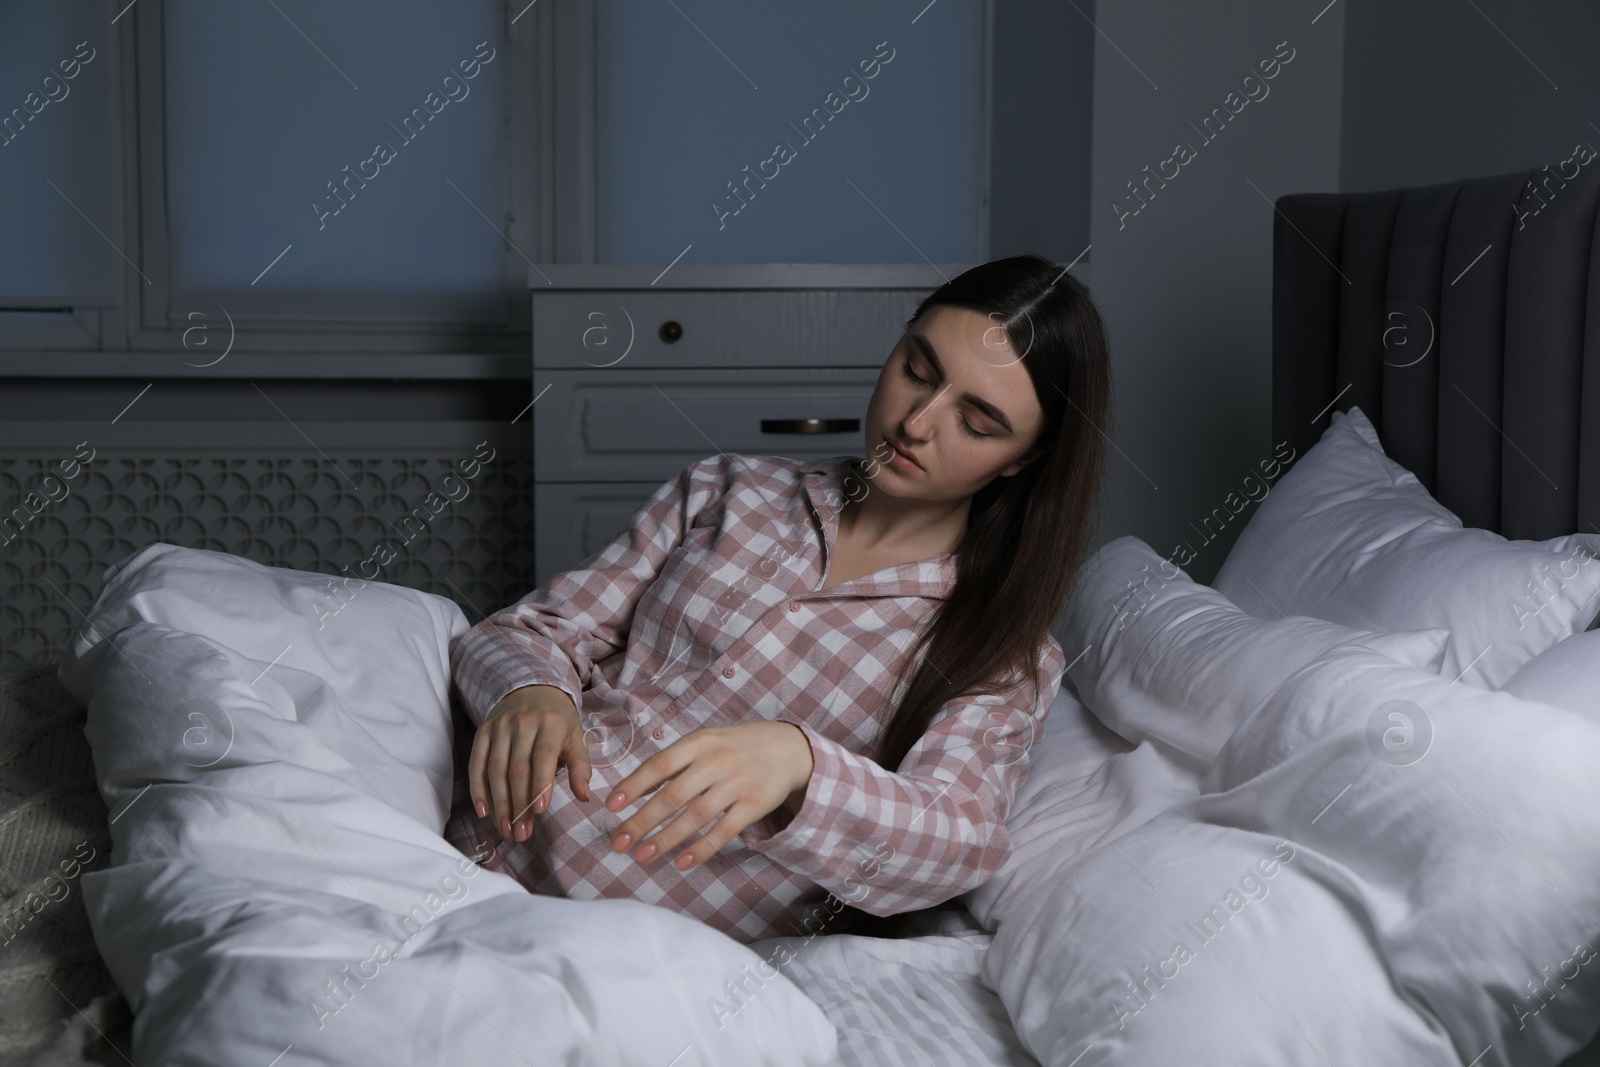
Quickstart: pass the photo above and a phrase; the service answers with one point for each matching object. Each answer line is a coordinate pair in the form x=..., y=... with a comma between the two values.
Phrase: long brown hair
x=1026, y=535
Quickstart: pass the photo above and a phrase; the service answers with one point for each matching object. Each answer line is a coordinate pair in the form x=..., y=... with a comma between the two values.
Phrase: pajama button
x=658, y=733
x=727, y=672
x=794, y=605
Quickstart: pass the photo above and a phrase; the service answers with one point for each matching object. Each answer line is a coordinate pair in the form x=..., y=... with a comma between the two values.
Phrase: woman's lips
x=900, y=460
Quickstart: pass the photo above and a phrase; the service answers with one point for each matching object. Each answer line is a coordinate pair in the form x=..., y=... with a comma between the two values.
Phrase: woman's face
x=973, y=382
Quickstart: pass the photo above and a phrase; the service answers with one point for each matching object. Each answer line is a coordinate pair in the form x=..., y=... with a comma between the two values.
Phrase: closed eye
x=905, y=365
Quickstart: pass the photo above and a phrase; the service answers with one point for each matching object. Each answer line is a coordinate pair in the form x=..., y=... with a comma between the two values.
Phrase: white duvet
x=1381, y=867
x=279, y=887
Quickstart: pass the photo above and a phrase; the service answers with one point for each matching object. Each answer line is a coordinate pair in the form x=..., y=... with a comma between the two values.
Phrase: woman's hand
x=514, y=756
x=741, y=772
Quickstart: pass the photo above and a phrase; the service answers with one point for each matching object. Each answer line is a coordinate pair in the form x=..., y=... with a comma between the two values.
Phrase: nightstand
x=638, y=372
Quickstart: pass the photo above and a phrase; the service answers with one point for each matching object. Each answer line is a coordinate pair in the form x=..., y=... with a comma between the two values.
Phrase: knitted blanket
x=58, y=1004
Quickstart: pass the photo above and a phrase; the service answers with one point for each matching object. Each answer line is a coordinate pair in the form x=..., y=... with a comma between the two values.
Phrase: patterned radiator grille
x=466, y=536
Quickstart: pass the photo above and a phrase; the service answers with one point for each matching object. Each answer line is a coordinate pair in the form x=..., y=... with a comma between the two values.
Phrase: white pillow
x=383, y=648
x=1567, y=676
x=1084, y=785
x=1167, y=659
x=1090, y=968
x=1426, y=875
x=1350, y=536
x=1465, y=821
x=1172, y=667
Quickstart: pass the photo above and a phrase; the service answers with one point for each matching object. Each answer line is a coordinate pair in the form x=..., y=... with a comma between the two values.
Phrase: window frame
x=550, y=218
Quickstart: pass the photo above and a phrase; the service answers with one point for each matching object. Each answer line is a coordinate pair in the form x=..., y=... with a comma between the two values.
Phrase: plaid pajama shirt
x=706, y=609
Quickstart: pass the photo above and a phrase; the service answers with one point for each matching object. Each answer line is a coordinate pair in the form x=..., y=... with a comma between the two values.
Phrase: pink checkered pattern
x=705, y=610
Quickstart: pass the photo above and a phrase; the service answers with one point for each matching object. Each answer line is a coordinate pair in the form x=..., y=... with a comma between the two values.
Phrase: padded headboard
x=1464, y=320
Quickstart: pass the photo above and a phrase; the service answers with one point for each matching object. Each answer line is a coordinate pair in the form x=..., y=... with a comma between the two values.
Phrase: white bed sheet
x=913, y=1001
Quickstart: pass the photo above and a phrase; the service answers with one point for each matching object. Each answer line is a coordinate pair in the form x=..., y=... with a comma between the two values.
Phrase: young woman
x=785, y=687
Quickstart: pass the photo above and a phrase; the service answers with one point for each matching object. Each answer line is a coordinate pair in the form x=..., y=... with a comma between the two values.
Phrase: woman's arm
x=895, y=841
x=556, y=634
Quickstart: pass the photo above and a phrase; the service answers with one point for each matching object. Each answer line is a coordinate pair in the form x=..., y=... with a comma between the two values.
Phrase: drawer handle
x=810, y=425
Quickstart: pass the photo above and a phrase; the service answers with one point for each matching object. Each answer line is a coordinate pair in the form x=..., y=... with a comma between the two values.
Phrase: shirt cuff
x=486, y=697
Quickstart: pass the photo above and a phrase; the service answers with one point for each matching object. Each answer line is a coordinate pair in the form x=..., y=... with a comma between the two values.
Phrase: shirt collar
x=829, y=483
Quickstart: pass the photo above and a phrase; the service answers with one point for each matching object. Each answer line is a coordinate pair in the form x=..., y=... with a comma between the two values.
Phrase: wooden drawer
x=627, y=424
x=572, y=522
x=737, y=329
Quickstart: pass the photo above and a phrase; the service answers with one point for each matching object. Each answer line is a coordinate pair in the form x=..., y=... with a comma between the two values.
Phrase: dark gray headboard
x=1500, y=417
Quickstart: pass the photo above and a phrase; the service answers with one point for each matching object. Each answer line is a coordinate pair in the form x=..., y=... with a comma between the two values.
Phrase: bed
x=1304, y=815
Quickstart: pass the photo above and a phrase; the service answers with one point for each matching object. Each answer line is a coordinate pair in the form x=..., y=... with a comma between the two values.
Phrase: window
x=314, y=159
x=58, y=196
x=331, y=180
x=328, y=178
x=826, y=132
